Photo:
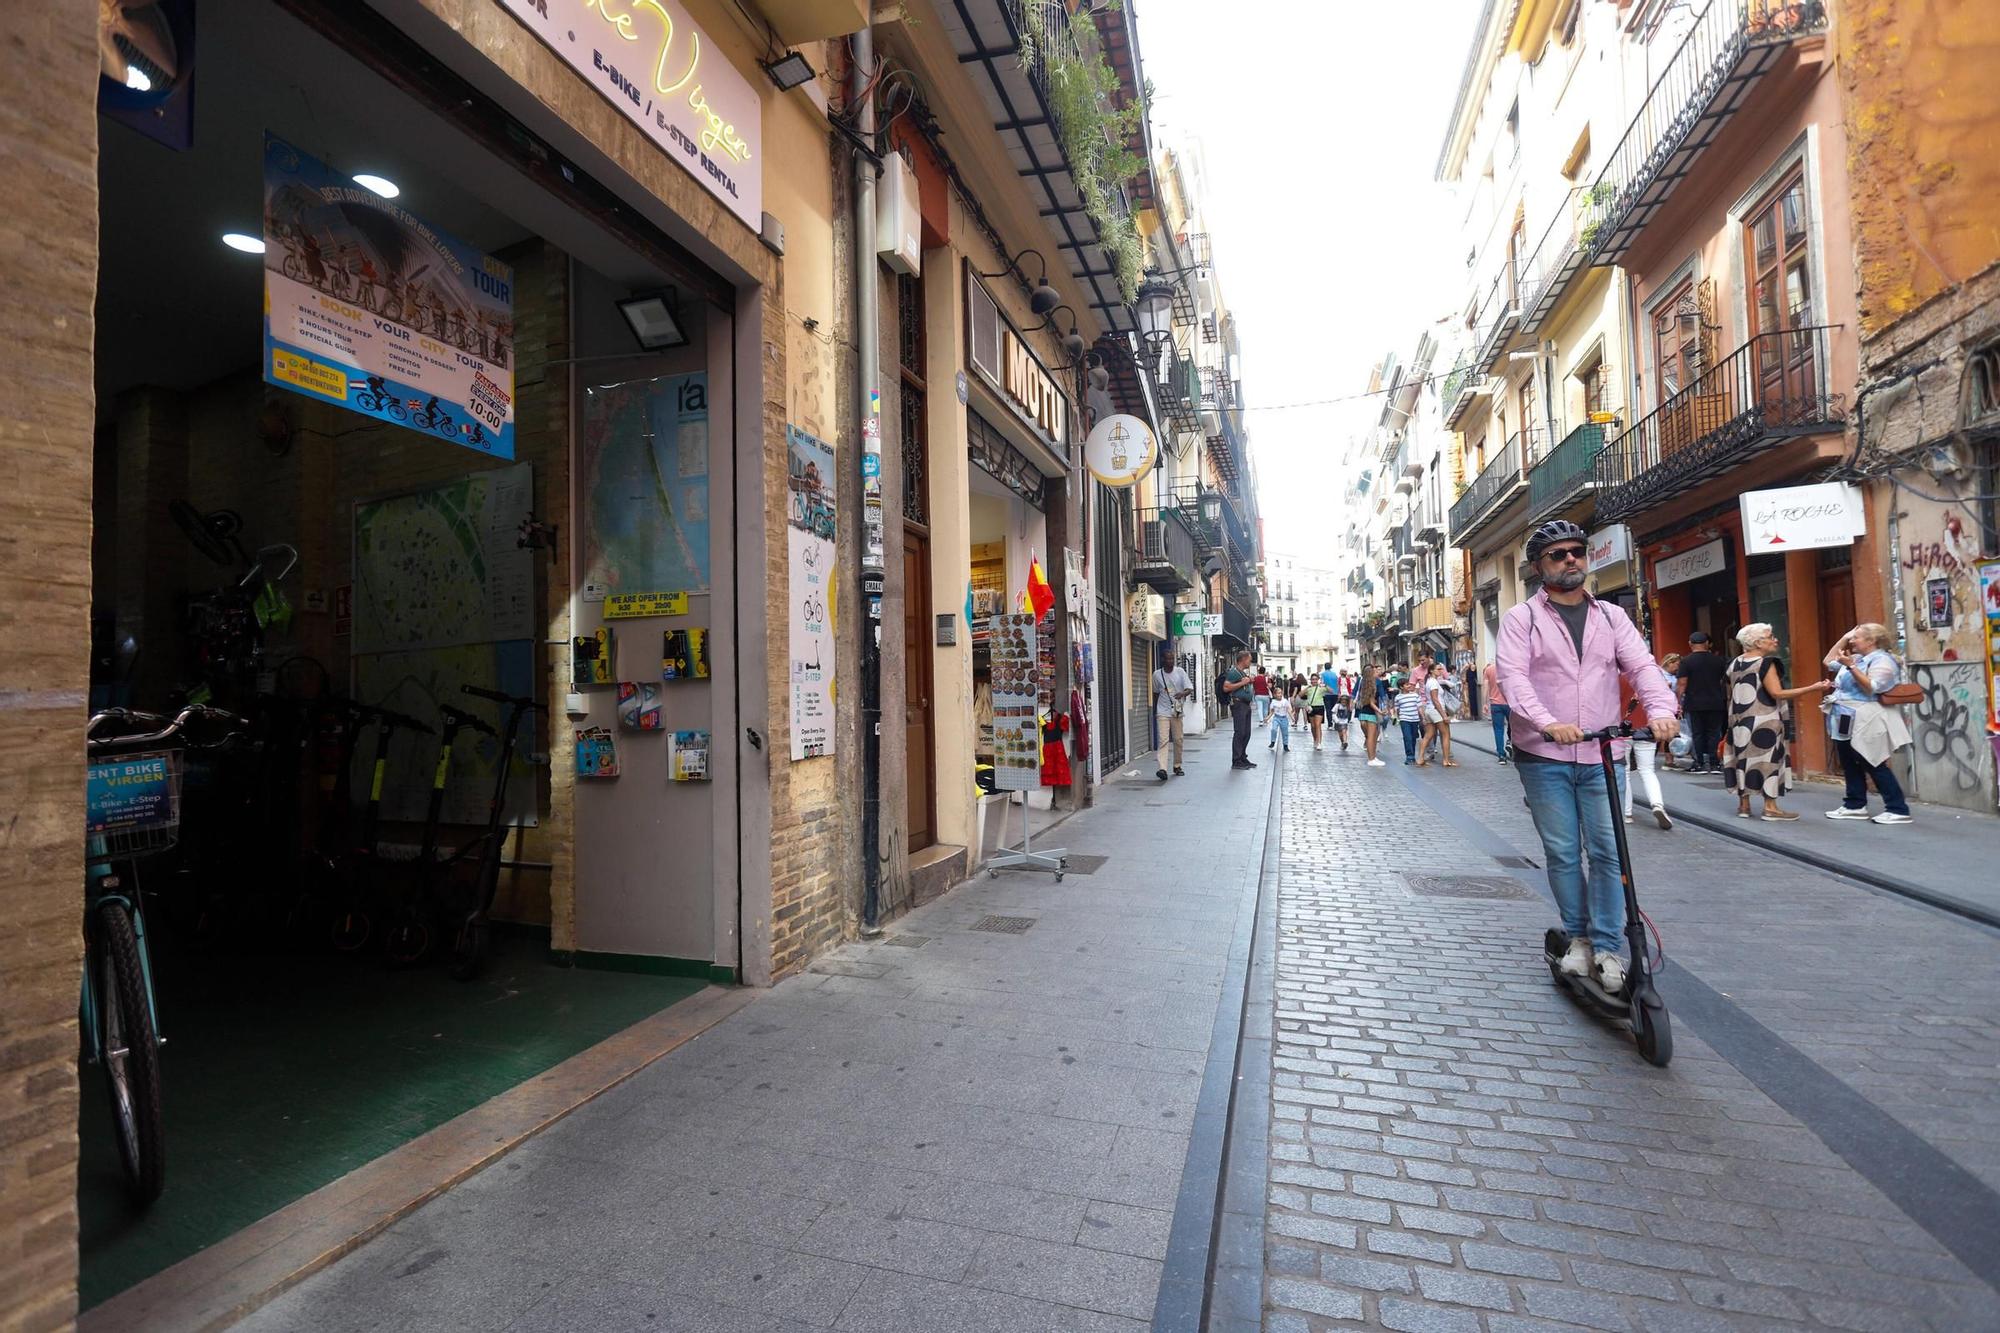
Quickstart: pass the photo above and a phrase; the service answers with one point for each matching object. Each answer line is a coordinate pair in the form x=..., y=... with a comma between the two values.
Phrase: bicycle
x=471, y=941
x=133, y=810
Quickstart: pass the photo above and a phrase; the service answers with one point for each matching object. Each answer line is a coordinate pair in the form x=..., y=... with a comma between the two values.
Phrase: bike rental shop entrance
x=414, y=454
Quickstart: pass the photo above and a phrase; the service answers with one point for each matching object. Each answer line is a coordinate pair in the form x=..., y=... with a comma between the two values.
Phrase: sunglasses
x=1564, y=553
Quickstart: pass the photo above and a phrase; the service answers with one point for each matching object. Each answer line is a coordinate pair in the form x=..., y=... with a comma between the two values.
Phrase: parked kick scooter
x=1639, y=1005
x=409, y=937
x=471, y=938
x=353, y=924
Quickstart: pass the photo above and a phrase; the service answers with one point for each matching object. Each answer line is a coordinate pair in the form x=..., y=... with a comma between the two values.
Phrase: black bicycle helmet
x=1551, y=532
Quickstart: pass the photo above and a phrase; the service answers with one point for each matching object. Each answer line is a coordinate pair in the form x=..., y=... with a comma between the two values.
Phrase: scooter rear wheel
x=1655, y=1033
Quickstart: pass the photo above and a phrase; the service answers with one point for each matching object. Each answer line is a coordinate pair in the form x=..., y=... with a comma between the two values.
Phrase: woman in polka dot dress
x=1757, y=757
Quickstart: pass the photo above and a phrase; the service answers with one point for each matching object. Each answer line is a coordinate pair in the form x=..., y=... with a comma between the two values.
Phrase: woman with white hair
x=1756, y=749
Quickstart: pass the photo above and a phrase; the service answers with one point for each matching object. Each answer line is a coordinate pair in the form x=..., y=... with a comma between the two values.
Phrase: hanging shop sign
x=648, y=59
x=1798, y=518
x=1005, y=363
x=369, y=307
x=1189, y=624
x=1610, y=546
x=1146, y=614
x=1688, y=565
x=1120, y=449
x=1211, y=624
x=809, y=529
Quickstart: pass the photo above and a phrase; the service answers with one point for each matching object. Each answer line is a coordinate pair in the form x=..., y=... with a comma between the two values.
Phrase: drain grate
x=1466, y=886
x=907, y=941
x=1085, y=863
x=1004, y=925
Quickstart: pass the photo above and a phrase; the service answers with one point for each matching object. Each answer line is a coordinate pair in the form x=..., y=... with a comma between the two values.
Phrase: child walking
x=1281, y=718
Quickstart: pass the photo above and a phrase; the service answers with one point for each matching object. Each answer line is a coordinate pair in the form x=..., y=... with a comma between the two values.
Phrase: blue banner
x=129, y=794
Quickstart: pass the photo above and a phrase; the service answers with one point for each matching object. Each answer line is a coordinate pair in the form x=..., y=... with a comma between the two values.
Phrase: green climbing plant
x=1081, y=85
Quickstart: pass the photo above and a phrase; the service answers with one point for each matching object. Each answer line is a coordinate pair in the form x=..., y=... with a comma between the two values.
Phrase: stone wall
x=48, y=261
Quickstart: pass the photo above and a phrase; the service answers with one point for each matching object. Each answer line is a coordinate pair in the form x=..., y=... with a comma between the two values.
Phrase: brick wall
x=48, y=251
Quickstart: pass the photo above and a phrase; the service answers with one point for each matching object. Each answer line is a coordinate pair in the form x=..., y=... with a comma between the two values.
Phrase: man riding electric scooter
x=1560, y=655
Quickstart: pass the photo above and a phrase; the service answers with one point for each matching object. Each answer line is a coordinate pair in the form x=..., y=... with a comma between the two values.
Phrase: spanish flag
x=1040, y=594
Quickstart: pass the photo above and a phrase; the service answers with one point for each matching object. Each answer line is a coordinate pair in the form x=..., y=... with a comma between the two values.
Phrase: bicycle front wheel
x=130, y=1052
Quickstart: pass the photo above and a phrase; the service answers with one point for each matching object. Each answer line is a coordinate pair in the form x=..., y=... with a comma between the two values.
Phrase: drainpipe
x=868, y=402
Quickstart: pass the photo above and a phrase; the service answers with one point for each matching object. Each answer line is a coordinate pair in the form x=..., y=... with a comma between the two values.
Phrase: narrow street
x=956, y=1128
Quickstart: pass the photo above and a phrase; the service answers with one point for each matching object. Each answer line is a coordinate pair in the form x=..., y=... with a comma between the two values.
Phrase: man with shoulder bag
x=1171, y=691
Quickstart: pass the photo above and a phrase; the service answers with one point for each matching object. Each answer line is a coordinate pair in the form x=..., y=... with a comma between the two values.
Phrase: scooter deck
x=1587, y=990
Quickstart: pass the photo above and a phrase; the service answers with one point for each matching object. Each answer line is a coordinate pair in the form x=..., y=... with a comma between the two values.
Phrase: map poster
x=809, y=520
x=643, y=481
x=369, y=307
x=444, y=566
x=1017, y=749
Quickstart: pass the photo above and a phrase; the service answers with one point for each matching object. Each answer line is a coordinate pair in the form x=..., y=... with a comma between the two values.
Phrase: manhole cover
x=1085, y=863
x=1466, y=886
x=1004, y=925
x=907, y=941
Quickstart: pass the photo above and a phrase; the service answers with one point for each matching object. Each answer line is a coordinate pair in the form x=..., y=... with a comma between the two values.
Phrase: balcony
x=1493, y=490
x=1201, y=509
x=1733, y=45
x=1430, y=526
x=1562, y=253
x=1165, y=558
x=1496, y=322
x=1235, y=527
x=1432, y=613
x=1179, y=390
x=1226, y=450
x=1239, y=619
x=1465, y=386
x=1771, y=389
x=1567, y=472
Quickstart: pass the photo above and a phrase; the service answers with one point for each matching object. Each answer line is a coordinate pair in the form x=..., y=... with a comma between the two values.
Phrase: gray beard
x=1567, y=580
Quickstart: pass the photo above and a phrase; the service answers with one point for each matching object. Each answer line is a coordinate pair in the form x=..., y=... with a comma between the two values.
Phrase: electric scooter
x=409, y=938
x=471, y=940
x=1639, y=1005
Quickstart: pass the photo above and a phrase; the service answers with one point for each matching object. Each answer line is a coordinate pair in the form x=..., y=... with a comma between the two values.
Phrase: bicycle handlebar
x=495, y=696
x=166, y=729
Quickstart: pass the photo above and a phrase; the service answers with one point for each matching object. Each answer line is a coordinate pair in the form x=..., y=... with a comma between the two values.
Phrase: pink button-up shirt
x=1545, y=683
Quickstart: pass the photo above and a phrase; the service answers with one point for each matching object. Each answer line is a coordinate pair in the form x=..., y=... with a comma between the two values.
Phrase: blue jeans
x=1574, y=820
x=1411, y=732
x=1283, y=733
x=1857, y=771
x=1500, y=713
x=1263, y=709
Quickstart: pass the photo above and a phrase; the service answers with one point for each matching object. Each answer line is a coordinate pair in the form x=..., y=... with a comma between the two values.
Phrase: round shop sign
x=1120, y=449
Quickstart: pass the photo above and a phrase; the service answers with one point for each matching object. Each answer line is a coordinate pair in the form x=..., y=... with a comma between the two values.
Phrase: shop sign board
x=1798, y=518
x=130, y=794
x=1146, y=614
x=368, y=306
x=1189, y=624
x=1211, y=624
x=809, y=530
x=649, y=60
x=1610, y=546
x=1017, y=731
x=633, y=605
x=1688, y=565
x=1120, y=449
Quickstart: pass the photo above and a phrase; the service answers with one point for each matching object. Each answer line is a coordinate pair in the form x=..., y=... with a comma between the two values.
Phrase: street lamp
x=1043, y=299
x=1154, y=307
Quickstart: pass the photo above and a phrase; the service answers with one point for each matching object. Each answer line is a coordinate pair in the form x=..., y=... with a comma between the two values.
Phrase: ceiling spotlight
x=654, y=319
x=381, y=185
x=136, y=80
x=788, y=71
x=248, y=244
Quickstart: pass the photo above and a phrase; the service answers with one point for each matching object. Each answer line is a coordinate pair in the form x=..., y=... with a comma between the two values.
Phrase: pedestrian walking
x=1236, y=688
x=1496, y=708
x=1410, y=713
x=1758, y=749
x=1281, y=719
x=1645, y=756
x=1561, y=653
x=1368, y=712
x=1865, y=730
x=1340, y=716
x=1171, y=691
x=1313, y=695
x=1704, y=700
x=1441, y=705
x=1260, y=689
x=1671, y=664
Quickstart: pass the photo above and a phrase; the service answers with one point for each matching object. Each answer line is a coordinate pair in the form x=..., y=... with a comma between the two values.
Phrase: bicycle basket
x=133, y=805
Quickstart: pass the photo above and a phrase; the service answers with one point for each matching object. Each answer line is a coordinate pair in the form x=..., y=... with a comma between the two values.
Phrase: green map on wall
x=644, y=485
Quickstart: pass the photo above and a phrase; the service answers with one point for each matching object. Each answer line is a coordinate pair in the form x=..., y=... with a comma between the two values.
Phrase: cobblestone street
x=1456, y=1146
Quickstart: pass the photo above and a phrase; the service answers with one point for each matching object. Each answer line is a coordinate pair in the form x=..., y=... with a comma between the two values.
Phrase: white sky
x=1319, y=123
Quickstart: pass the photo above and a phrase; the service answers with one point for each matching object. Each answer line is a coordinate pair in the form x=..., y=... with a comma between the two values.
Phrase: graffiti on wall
x=1946, y=564
x=1951, y=761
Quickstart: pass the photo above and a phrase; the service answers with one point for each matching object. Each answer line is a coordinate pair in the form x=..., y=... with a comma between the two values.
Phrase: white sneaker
x=1662, y=818
x=1886, y=817
x=1611, y=973
x=1842, y=812
x=1378, y=763
x=1576, y=962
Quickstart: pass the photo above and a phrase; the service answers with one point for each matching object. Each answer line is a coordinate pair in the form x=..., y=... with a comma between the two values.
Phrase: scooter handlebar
x=512, y=700
x=1618, y=731
x=455, y=718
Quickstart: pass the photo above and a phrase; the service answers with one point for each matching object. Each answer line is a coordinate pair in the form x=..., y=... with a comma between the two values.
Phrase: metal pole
x=868, y=399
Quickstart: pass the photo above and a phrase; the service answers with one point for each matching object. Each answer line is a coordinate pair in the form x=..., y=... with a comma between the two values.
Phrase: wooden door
x=1836, y=615
x=919, y=780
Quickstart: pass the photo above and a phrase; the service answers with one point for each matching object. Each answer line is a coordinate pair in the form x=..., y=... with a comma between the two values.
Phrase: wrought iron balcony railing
x=1771, y=389
x=1178, y=388
x=1202, y=510
x=1496, y=482
x=1730, y=46
x=1562, y=253
x=1166, y=550
x=1499, y=315
x=1566, y=471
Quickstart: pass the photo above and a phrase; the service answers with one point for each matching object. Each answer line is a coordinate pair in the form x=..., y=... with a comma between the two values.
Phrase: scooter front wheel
x=1654, y=1031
